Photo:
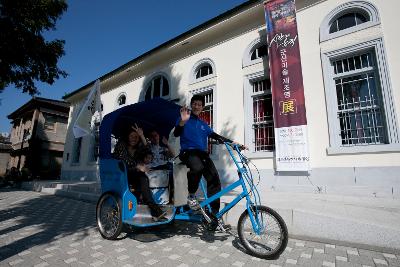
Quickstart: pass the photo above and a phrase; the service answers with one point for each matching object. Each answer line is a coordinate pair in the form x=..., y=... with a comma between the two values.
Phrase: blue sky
x=102, y=35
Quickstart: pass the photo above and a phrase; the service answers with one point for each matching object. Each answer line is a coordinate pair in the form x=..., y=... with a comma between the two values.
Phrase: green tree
x=25, y=55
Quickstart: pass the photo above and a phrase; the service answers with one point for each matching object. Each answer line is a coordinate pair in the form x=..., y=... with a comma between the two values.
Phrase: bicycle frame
x=248, y=189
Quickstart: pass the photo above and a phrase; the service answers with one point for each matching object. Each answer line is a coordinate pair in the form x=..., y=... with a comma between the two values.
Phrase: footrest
x=143, y=216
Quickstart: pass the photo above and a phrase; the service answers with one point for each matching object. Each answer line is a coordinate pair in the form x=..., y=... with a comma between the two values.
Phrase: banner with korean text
x=290, y=122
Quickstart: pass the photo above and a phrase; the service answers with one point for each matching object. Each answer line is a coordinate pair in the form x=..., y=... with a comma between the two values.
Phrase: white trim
x=362, y=7
x=195, y=68
x=383, y=77
x=363, y=149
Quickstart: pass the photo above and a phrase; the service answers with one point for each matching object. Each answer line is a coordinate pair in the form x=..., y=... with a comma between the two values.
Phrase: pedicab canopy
x=156, y=114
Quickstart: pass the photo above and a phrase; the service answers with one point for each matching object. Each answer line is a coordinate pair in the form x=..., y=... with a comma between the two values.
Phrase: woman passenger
x=128, y=150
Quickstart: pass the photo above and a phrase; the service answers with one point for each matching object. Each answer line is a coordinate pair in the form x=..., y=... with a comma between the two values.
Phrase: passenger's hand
x=138, y=130
x=185, y=114
x=164, y=140
x=142, y=168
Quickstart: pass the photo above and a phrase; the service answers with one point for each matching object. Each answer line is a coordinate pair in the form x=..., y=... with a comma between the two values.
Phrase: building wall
x=4, y=158
x=366, y=173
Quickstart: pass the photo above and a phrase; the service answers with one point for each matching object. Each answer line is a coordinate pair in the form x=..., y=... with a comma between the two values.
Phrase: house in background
x=38, y=136
x=5, y=149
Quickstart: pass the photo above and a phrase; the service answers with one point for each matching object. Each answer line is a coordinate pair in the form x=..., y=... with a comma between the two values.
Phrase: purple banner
x=287, y=86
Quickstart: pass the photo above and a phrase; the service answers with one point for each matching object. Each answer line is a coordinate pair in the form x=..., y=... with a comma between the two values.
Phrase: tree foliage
x=25, y=55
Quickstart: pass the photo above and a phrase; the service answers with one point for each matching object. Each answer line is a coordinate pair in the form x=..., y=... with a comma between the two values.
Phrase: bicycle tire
x=269, y=219
x=109, y=221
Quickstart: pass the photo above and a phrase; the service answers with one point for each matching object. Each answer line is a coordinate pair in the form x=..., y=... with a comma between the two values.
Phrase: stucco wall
x=328, y=171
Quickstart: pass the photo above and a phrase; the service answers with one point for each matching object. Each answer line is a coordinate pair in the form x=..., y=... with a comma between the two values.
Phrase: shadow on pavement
x=40, y=219
x=176, y=228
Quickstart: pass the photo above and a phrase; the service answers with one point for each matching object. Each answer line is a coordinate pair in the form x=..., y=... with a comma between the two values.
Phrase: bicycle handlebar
x=235, y=146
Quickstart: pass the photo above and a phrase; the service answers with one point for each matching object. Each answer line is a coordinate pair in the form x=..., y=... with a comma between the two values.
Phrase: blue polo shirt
x=195, y=134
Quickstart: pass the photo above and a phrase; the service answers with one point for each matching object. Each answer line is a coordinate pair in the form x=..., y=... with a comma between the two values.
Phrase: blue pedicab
x=261, y=230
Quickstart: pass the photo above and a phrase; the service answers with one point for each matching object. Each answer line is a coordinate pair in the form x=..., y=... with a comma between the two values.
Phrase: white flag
x=84, y=120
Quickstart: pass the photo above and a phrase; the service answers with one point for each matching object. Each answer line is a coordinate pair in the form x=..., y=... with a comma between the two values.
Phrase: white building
x=350, y=63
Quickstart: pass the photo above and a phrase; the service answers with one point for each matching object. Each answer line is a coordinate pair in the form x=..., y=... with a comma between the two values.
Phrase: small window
x=259, y=52
x=49, y=122
x=346, y=21
x=158, y=87
x=204, y=70
x=77, y=150
x=263, y=122
x=121, y=100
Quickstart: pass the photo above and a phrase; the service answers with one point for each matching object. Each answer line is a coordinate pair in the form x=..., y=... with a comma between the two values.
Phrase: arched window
x=358, y=93
x=347, y=20
x=157, y=87
x=256, y=52
x=204, y=70
x=121, y=100
x=259, y=52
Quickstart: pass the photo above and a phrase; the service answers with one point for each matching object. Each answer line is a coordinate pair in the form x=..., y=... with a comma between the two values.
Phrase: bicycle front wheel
x=271, y=238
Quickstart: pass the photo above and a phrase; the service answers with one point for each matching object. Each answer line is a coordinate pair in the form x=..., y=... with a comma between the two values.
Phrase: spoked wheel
x=272, y=236
x=109, y=216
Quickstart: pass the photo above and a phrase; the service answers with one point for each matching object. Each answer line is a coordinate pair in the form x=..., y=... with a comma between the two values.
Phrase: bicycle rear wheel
x=109, y=216
x=272, y=237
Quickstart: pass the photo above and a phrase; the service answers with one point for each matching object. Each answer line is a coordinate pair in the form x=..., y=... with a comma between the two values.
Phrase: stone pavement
x=45, y=230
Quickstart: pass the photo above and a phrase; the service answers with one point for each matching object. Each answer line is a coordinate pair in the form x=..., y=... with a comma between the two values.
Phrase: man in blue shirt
x=194, y=134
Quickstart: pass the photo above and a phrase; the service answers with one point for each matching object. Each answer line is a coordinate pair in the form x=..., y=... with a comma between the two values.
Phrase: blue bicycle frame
x=249, y=191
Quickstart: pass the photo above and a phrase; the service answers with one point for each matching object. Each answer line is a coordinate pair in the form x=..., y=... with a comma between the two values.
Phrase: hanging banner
x=290, y=122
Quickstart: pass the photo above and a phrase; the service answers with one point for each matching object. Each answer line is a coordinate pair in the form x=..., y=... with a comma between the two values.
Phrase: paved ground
x=45, y=230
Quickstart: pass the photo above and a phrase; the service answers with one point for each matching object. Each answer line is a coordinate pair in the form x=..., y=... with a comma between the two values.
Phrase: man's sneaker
x=193, y=203
x=158, y=214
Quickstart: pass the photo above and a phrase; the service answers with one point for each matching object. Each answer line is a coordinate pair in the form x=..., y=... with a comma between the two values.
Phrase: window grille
x=207, y=114
x=263, y=123
x=359, y=105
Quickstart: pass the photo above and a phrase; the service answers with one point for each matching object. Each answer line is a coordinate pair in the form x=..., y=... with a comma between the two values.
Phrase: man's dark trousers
x=200, y=164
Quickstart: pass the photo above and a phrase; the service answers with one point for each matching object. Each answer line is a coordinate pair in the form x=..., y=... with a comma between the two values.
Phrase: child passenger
x=161, y=153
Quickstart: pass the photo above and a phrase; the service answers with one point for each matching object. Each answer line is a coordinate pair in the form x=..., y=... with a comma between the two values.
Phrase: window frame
x=365, y=8
x=76, y=154
x=150, y=80
x=256, y=43
x=386, y=92
x=248, y=107
x=196, y=67
x=54, y=123
x=117, y=105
